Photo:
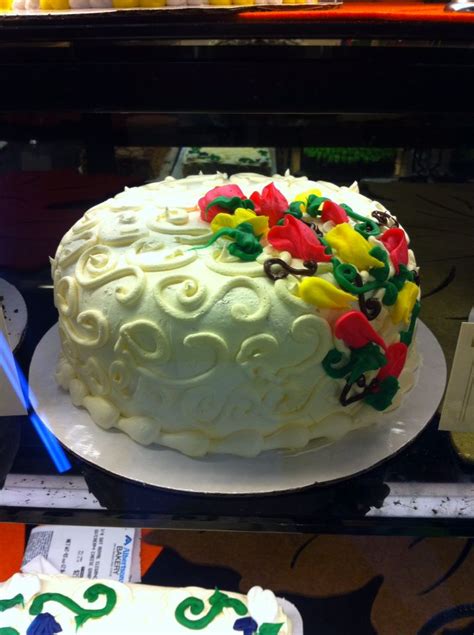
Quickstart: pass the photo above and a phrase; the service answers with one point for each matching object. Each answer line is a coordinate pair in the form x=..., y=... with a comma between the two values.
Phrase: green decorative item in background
x=350, y=155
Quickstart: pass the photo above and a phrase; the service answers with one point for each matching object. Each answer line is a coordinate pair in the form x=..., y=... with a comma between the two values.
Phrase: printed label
x=87, y=552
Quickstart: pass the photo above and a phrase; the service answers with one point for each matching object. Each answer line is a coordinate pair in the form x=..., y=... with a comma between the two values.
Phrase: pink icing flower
x=396, y=244
x=396, y=355
x=354, y=329
x=334, y=212
x=222, y=190
x=271, y=203
x=297, y=238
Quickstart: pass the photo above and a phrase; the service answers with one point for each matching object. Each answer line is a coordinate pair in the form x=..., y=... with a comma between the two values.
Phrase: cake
x=46, y=604
x=229, y=160
x=236, y=315
x=107, y=5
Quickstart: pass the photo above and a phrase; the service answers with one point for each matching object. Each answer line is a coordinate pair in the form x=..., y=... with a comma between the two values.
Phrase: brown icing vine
x=371, y=307
x=384, y=218
x=361, y=382
x=311, y=266
x=314, y=227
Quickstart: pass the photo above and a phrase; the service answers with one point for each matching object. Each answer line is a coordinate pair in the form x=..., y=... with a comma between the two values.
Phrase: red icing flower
x=355, y=331
x=271, y=203
x=333, y=211
x=396, y=244
x=223, y=190
x=297, y=238
x=396, y=355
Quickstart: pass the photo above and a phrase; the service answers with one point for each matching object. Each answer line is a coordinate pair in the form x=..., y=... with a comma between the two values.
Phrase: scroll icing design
x=178, y=224
x=98, y=266
x=151, y=254
x=241, y=407
x=257, y=353
x=122, y=379
x=69, y=251
x=144, y=342
x=210, y=349
x=190, y=295
x=203, y=406
x=95, y=376
x=199, y=239
x=316, y=332
x=94, y=264
x=93, y=331
x=66, y=296
x=124, y=231
x=232, y=268
x=195, y=296
x=68, y=347
x=90, y=219
x=285, y=295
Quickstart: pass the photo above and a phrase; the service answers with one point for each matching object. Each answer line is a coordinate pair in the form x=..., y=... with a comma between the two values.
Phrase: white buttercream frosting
x=195, y=349
x=139, y=609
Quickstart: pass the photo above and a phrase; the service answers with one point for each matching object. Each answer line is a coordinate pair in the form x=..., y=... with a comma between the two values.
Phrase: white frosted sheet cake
x=33, y=604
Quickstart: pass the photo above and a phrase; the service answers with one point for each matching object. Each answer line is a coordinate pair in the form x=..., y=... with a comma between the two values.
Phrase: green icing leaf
x=8, y=630
x=401, y=277
x=380, y=273
x=364, y=359
x=361, y=360
x=366, y=226
x=294, y=209
x=407, y=336
x=383, y=397
x=8, y=604
x=391, y=293
x=331, y=364
x=297, y=213
x=314, y=203
x=245, y=245
x=269, y=629
x=231, y=203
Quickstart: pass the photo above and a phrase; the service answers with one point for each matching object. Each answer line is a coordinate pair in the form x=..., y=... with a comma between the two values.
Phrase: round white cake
x=236, y=315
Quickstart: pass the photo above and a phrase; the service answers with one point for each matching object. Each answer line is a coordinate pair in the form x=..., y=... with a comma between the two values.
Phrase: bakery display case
x=97, y=102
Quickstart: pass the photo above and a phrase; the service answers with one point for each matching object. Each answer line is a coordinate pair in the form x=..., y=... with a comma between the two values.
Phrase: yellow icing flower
x=241, y=215
x=323, y=294
x=303, y=198
x=351, y=247
x=404, y=304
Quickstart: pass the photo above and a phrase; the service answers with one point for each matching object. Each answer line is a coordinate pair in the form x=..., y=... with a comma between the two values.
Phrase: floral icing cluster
x=365, y=255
